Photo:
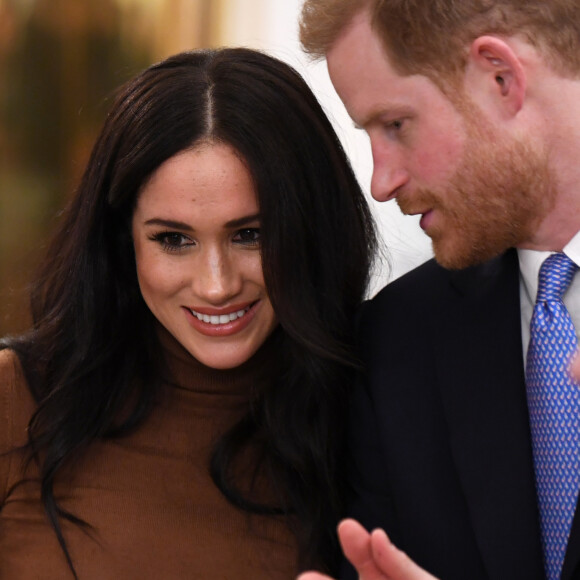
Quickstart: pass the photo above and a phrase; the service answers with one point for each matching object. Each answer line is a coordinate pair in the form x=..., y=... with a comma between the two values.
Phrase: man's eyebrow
x=392, y=111
x=370, y=118
x=177, y=225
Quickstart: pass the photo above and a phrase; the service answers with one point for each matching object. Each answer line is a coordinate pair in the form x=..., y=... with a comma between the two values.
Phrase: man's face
x=479, y=191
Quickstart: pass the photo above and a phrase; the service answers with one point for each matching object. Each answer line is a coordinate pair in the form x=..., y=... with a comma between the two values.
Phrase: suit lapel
x=480, y=368
x=571, y=568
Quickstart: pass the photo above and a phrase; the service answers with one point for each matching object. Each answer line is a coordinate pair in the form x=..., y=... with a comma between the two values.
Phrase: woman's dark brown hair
x=92, y=357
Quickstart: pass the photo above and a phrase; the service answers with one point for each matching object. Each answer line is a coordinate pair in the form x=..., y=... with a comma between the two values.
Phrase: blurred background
x=60, y=61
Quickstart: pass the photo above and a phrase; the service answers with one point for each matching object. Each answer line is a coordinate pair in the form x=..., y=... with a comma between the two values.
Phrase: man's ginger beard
x=496, y=199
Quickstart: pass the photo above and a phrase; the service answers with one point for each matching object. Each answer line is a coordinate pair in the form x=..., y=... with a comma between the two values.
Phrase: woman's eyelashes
x=248, y=237
x=174, y=242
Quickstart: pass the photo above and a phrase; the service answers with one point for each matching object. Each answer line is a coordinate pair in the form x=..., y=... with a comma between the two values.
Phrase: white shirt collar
x=531, y=262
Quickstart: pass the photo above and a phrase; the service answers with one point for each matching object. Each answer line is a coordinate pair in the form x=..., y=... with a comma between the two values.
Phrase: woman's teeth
x=222, y=318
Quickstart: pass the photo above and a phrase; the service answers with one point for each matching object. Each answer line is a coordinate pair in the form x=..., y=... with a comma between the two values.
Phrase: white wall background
x=272, y=25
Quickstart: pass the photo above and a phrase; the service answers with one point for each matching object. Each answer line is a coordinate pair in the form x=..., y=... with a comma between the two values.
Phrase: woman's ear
x=495, y=77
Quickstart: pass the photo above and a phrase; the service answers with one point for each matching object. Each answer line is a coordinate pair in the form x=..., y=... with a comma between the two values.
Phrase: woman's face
x=196, y=232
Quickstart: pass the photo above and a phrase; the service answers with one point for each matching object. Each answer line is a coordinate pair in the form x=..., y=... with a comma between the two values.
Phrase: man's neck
x=556, y=100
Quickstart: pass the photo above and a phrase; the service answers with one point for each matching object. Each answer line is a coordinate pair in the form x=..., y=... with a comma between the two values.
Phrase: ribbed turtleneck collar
x=188, y=373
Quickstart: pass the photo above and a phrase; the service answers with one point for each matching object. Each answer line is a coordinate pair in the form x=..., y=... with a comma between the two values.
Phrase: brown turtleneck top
x=154, y=510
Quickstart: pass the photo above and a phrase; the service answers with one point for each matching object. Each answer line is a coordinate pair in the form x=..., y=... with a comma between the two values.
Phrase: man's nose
x=389, y=172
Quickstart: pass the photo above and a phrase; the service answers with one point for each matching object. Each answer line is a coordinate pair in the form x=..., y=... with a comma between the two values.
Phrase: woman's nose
x=217, y=277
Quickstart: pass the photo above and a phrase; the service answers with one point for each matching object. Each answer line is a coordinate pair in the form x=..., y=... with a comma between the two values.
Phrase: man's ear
x=495, y=76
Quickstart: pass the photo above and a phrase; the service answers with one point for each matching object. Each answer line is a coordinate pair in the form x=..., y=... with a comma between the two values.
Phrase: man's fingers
x=356, y=545
x=313, y=576
x=394, y=564
x=575, y=368
x=373, y=555
x=355, y=541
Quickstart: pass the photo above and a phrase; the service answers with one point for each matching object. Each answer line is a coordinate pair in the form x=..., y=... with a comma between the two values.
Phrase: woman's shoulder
x=8, y=359
x=15, y=398
x=11, y=372
x=16, y=408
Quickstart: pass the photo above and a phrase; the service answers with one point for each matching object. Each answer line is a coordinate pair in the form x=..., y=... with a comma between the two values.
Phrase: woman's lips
x=219, y=318
x=211, y=322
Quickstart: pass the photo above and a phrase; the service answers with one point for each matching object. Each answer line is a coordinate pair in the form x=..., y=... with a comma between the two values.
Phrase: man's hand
x=575, y=368
x=373, y=555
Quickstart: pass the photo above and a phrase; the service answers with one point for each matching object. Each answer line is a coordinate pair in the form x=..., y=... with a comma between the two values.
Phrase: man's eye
x=396, y=124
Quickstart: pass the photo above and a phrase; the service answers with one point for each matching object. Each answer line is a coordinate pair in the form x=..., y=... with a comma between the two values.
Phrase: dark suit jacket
x=439, y=441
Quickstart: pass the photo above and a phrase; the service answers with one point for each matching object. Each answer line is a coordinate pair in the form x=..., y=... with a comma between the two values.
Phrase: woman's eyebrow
x=243, y=221
x=168, y=224
x=174, y=224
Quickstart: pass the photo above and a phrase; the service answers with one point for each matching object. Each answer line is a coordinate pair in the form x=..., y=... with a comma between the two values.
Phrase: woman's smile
x=219, y=318
x=226, y=323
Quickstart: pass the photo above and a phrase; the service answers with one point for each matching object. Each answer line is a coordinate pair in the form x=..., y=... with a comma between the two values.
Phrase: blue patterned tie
x=554, y=405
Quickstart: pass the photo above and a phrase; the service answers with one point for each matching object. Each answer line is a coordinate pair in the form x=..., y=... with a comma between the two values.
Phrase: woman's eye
x=248, y=237
x=172, y=241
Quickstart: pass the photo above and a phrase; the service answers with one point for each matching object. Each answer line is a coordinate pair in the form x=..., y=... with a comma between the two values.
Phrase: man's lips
x=426, y=219
x=426, y=216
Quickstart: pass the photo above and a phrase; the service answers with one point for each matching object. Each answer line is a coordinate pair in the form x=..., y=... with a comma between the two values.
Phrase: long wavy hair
x=92, y=358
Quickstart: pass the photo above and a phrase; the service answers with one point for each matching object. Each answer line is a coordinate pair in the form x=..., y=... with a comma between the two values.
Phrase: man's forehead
x=365, y=80
x=361, y=19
